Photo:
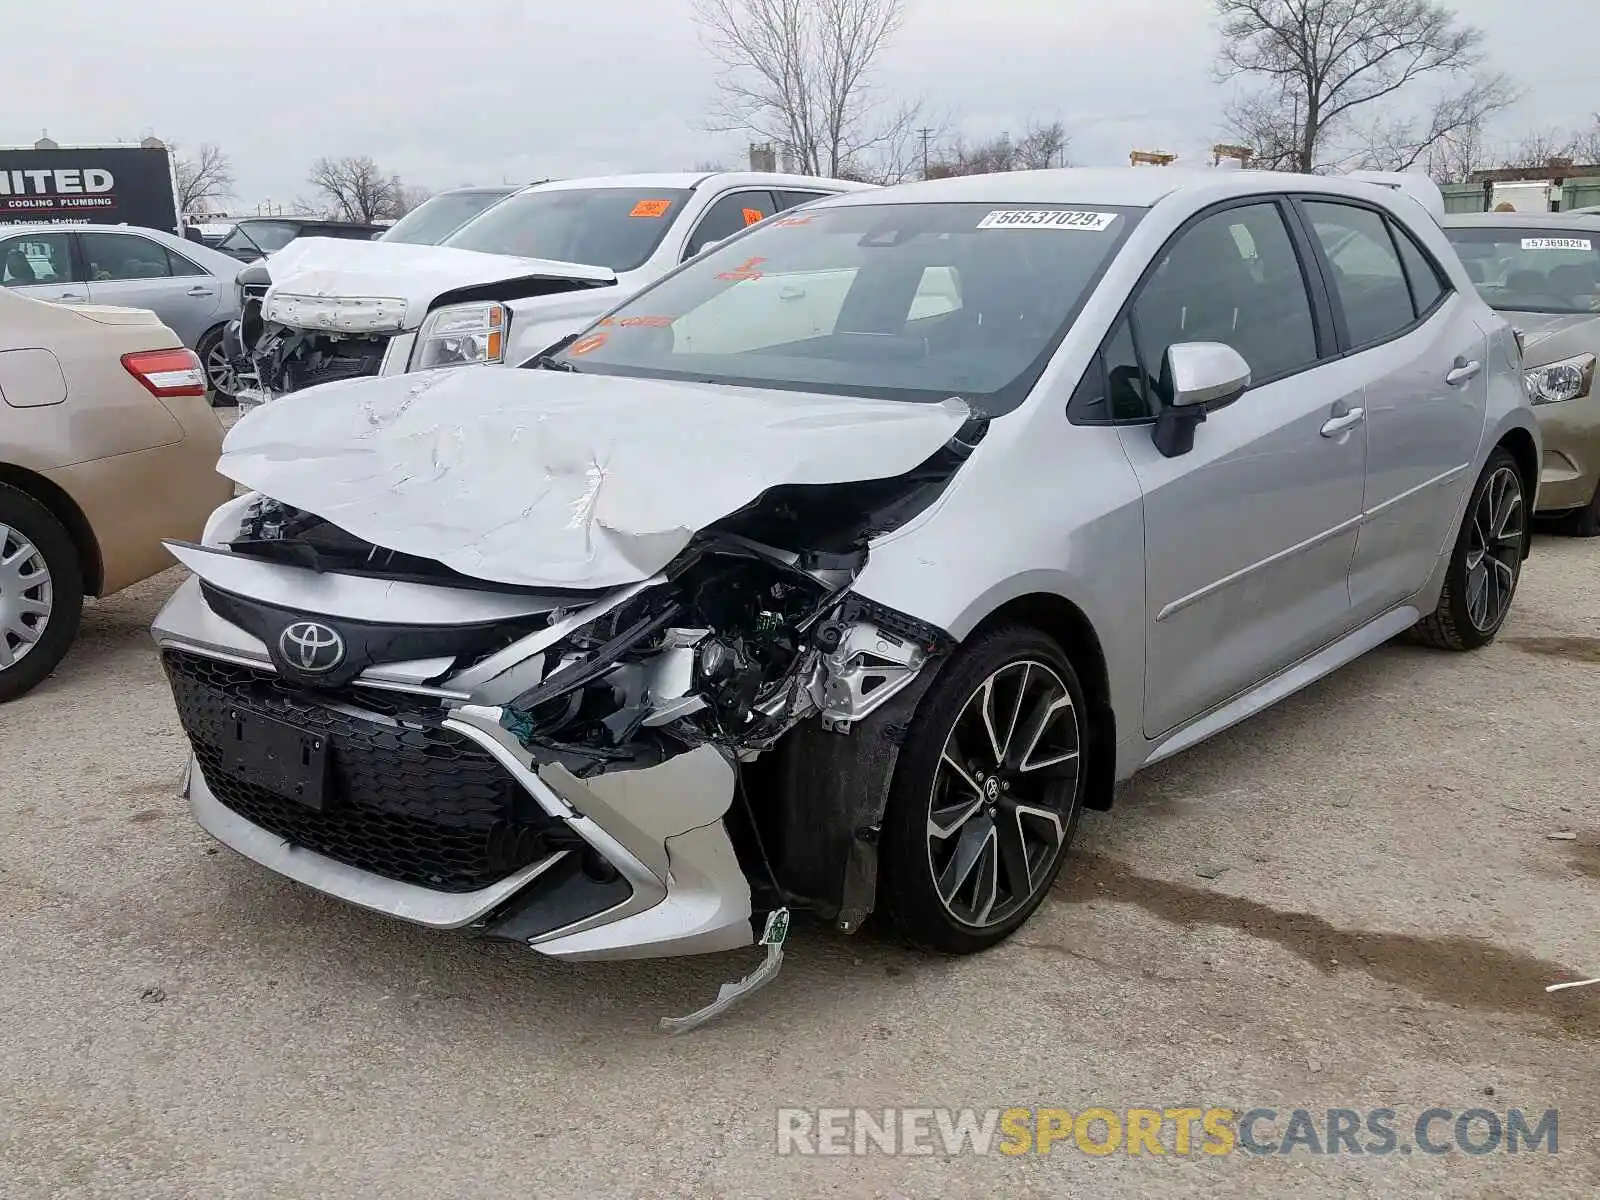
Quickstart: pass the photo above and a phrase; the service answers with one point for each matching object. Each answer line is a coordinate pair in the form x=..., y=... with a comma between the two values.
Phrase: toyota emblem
x=311, y=647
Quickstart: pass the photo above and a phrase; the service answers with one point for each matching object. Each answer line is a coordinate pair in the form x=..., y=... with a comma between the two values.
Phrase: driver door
x=1249, y=535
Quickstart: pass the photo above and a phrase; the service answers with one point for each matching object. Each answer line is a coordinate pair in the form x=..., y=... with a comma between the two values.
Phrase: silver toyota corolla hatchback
x=840, y=570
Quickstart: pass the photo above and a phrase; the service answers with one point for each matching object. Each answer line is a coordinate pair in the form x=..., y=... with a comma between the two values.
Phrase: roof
x=1132, y=187
x=685, y=180
x=1490, y=220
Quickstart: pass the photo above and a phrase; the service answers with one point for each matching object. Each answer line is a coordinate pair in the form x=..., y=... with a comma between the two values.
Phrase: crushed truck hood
x=553, y=479
x=407, y=278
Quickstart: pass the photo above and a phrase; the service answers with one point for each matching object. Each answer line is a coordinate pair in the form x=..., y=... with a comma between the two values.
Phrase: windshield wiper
x=548, y=360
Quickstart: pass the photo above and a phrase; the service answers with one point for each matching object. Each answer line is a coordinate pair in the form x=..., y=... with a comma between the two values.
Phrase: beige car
x=107, y=445
x=1541, y=272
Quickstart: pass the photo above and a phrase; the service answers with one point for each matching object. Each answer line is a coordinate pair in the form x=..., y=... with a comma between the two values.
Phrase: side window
x=1129, y=392
x=1235, y=278
x=1366, y=270
x=181, y=267
x=37, y=258
x=117, y=256
x=728, y=216
x=788, y=200
x=1426, y=286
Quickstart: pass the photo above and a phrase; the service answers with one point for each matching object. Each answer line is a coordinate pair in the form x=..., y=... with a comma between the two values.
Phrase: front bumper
x=1571, y=472
x=632, y=863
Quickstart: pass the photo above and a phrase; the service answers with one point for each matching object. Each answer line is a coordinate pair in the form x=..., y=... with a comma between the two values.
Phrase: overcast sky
x=480, y=91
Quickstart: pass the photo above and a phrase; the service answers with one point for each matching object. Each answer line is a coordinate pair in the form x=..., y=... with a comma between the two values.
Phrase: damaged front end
x=639, y=770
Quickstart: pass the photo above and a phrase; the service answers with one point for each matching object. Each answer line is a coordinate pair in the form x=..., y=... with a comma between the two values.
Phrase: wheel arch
x=1519, y=443
x=65, y=509
x=1070, y=628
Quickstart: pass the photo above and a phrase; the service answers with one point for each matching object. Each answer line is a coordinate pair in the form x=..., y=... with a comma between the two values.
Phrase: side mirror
x=1201, y=376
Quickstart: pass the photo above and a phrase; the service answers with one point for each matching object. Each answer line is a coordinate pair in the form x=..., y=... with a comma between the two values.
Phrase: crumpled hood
x=409, y=277
x=553, y=479
x=1550, y=337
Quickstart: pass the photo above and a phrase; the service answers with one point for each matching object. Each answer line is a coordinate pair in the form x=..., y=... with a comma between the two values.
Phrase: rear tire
x=221, y=380
x=41, y=592
x=986, y=795
x=1481, y=580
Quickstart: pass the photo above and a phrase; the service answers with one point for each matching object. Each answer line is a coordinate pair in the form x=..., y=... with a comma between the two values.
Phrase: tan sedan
x=107, y=445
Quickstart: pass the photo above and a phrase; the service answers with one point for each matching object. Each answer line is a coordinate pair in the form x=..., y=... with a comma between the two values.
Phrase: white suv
x=505, y=286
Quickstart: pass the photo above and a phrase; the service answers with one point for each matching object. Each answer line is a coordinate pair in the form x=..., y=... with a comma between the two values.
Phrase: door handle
x=791, y=291
x=1463, y=371
x=1334, y=426
x=201, y=291
x=69, y=298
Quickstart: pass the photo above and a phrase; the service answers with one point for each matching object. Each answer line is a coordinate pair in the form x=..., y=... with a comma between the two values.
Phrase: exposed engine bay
x=734, y=643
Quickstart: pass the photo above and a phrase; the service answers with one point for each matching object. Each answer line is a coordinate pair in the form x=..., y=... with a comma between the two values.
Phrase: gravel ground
x=1354, y=901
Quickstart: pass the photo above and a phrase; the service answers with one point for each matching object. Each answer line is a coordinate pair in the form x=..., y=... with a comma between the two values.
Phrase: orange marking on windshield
x=745, y=270
x=753, y=216
x=651, y=208
x=584, y=345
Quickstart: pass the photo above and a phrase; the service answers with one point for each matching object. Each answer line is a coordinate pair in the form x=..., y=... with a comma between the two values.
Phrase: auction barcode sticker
x=1047, y=218
x=1555, y=243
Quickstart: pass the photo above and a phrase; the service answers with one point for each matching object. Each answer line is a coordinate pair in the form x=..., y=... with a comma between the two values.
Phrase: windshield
x=436, y=219
x=260, y=235
x=600, y=227
x=903, y=301
x=1539, y=270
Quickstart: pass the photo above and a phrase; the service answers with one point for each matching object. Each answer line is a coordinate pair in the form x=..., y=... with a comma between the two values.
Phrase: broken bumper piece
x=638, y=892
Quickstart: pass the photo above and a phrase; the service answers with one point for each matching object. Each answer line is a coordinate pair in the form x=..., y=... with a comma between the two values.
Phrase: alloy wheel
x=26, y=596
x=1494, y=550
x=220, y=373
x=1000, y=806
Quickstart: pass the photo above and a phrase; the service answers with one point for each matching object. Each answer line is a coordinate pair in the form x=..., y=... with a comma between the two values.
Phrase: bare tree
x=1455, y=157
x=1321, y=65
x=203, y=176
x=355, y=188
x=799, y=73
x=1041, y=147
x=410, y=196
x=1537, y=148
x=1585, y=146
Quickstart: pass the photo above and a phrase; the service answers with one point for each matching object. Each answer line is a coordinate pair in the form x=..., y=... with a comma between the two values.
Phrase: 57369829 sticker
x=1557, y=243
x=1048, y=218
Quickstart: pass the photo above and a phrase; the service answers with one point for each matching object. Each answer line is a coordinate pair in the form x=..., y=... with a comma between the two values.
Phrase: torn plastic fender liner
x=835, y=787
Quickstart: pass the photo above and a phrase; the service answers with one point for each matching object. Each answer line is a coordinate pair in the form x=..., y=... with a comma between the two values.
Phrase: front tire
x=987, y=793
x=41, y=593
x=1486, y=563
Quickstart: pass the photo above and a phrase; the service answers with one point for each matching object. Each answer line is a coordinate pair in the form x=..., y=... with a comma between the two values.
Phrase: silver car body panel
x=197, y=297
x=1215, y=583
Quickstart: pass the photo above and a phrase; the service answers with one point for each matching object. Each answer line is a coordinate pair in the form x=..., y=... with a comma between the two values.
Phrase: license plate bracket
x=283, y=758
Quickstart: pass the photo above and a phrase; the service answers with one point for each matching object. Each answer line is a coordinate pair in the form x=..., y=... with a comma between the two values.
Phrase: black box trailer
x=47, y=184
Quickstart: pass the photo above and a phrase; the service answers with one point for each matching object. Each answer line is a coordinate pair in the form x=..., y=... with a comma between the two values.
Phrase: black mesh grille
x=410, y=801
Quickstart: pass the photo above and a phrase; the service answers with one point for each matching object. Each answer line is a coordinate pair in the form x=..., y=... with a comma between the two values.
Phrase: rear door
x=1422, y=360
x=41, y=265
x=133, y=271
x=1248, y=536
x=727, y=215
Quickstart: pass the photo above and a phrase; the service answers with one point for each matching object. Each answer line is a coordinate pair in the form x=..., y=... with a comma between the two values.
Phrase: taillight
x=167, y=372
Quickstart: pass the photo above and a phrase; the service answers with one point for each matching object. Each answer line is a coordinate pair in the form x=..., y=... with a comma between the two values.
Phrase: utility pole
x=927, y=136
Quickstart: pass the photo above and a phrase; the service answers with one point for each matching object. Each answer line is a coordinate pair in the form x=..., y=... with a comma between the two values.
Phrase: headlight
x=460, y=335
x=1569, y=379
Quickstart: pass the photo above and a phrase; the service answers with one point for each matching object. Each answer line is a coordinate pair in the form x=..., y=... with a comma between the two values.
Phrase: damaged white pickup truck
x=506, y=285
x=838, y=571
